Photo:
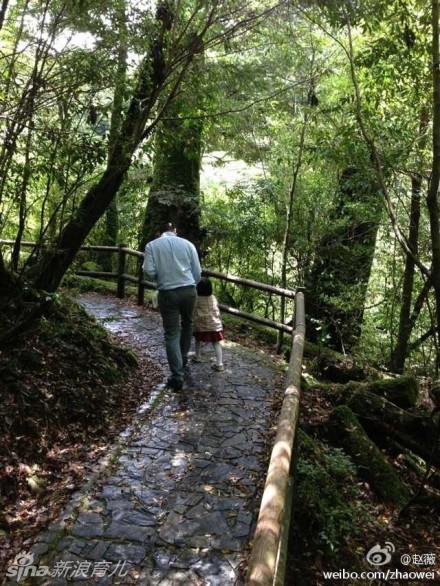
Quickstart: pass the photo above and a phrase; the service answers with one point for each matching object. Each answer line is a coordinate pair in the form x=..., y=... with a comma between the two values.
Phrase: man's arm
x=196, y=269
x=148, y=265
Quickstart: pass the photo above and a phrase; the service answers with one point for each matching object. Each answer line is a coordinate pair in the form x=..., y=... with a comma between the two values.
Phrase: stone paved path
x=178, y=498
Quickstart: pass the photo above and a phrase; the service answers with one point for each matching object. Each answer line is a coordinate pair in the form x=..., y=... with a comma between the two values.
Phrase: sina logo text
x=23, y=567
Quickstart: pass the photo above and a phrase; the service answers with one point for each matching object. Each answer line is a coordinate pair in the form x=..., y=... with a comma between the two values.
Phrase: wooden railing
x=267, y=562
x=121, y=276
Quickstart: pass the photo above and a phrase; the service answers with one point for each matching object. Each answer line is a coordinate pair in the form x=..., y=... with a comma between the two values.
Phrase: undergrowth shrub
x=329, y=510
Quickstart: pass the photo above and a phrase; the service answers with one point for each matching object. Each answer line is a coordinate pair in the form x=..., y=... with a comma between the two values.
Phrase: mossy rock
x=434, y=392
x=312, y=349
x=347, y=432
x=403, y=391
x=338, y=371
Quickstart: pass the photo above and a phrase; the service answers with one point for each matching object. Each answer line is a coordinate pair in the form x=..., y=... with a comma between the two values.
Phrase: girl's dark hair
x=204, y=287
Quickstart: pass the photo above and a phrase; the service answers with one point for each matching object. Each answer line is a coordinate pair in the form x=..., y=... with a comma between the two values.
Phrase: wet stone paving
x=175, y=501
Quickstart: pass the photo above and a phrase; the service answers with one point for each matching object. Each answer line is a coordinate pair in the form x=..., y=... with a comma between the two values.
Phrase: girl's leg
x=197, y=355
x=218, y=365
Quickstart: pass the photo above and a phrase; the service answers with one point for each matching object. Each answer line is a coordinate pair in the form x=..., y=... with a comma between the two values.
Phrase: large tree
x=175, y=189
x=344, y=257
x=408, y=33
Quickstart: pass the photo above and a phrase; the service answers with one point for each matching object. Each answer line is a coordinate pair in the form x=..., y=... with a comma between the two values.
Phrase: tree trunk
x=343, y=259
x=400, y=351
x=435, y=175
x=382, y=419
x=57, y=261
x=176, y=40
x=22, y=190
x=286, y=238
x=3, y=8
x=6, y=280
x=112, y=214
x=432, y=197
x=175, y=190
x=346, y=431
x=23, y=108
x=406, y=320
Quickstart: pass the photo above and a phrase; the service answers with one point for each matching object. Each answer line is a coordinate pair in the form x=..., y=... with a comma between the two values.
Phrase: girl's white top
x=207, y=315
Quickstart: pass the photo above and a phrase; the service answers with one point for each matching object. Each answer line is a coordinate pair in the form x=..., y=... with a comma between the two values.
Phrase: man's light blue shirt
x=172, y=262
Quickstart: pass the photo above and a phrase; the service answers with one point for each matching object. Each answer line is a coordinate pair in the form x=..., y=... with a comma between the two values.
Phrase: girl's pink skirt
x=209, y=336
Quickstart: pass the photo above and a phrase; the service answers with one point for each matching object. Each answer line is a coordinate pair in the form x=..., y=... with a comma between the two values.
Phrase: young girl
x=207, y=324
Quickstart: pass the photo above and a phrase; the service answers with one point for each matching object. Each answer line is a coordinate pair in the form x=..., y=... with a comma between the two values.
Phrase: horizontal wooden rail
x=97, y=274
x=254, y=284
x=85, y=247
x=257, y=319
x=23, y=243
x=100, y=248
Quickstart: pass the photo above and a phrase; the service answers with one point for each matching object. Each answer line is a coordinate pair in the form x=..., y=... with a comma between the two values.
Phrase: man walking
x=174, y=264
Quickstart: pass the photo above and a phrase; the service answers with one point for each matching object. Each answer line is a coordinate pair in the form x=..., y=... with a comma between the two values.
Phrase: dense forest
x=296, y=143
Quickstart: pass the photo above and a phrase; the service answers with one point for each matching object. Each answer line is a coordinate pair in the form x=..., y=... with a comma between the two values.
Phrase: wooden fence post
x=141, y=286
x=121, y=271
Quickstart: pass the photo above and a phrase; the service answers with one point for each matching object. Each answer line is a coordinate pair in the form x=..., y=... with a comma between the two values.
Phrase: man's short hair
x=166, y=227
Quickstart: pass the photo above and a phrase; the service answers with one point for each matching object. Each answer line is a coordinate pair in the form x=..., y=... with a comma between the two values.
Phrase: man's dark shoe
x=174, y=384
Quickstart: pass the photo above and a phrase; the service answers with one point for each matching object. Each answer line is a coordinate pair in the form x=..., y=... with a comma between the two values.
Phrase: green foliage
x=242, y=231
x=85, y=284
x=75, y=285
x=71, y=328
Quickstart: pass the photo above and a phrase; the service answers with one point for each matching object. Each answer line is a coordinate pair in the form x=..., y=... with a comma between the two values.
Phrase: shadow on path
x=177, y=499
